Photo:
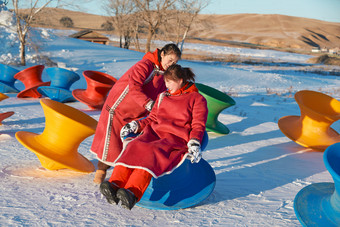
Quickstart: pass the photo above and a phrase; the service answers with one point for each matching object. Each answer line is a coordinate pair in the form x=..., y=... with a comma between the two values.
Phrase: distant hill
x=50, y=17
x=273, y=31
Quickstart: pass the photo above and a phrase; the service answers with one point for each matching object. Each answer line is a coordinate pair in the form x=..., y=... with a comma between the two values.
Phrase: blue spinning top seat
x=318, y=204
x=7, y=79
x=186, y=186
x=61, y=81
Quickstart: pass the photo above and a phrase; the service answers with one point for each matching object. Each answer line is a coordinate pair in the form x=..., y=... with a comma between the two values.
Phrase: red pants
x=136, y=180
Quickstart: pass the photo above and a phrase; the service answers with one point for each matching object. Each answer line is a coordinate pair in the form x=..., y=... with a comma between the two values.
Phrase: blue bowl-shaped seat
x=61, y=81
x=7, y=79
x=318, y=204
x=186, y=186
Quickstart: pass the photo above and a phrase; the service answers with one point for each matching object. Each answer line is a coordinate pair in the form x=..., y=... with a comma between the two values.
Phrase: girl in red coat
x=131, y=98
x=173, y=130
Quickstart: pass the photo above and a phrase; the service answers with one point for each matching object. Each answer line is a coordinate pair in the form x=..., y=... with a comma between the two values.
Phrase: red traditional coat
x=126, y=102
x=162, y=145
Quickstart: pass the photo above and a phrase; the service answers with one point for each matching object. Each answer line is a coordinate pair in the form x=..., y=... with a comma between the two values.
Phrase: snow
x=259, y=170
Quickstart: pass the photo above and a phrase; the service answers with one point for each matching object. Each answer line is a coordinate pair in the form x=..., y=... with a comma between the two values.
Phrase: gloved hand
x=129, y=128
x=194, y=149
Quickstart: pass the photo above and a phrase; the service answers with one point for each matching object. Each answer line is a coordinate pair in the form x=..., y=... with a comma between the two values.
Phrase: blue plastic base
x=187, y=186
x=312, y=206
x=6, y=88
x=57, y=94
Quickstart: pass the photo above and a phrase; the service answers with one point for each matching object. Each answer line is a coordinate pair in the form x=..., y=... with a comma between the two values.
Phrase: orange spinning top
x=65, y=128
x=313, y=128
x=3, y=96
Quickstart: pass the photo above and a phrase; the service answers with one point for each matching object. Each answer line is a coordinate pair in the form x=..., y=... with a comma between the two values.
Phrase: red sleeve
x=199, y=119
x=139, y=73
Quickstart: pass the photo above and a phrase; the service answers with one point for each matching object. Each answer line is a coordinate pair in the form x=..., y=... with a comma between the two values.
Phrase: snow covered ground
x=259, y=170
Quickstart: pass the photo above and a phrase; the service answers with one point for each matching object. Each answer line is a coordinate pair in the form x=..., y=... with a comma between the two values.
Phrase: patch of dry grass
x=325, y=59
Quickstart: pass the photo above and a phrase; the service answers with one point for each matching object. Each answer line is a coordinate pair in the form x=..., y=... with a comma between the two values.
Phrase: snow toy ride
x=313, y=128
x=3, y=97
x=31, y=78
x=216, y=101
x=319, y=204
x=7, y=79
x=61, y=81
x=5, y=115
x=186, y=186
x=98, y=85
x=65, y=128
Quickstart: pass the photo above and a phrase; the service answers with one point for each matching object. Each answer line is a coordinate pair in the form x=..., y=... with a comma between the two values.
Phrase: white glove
x=129, y=128
x=194, y=149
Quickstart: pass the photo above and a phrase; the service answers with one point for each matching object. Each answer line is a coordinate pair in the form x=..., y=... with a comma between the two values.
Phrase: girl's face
x=173, y=85
x=168, y=60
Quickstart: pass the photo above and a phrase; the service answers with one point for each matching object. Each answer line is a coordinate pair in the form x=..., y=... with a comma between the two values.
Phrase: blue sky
x=328, y=10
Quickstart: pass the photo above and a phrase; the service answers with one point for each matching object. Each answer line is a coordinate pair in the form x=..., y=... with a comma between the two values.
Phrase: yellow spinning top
x=3, y=96
x=57, y=146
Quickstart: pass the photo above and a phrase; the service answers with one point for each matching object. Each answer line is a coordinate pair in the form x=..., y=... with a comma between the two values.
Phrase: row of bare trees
x=131, y=18
x=172, y=18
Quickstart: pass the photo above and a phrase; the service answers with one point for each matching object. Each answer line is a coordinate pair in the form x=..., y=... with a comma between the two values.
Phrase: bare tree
x=153, y=13
x=23, y=23
x=120, y=12
x=136, y=28
x=186, y=15
x=66, y=21
x=108, y=26
x=130, y=16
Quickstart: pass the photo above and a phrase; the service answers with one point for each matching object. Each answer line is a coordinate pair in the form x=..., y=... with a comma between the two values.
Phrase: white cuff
x=149, y=105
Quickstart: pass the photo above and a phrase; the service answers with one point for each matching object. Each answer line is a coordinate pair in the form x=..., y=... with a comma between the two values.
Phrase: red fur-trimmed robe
x=173, y=121
x=125, y=103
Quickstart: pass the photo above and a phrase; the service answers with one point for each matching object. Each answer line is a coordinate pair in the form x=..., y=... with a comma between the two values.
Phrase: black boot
x=109, y=190
x=128, y=198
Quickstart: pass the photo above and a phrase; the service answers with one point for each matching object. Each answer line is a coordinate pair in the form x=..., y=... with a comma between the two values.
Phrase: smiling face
x=168, y=60
x=173, y=85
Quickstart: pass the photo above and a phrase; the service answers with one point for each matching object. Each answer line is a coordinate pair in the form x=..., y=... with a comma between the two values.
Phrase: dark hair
x=176, y=72
x=170, y=48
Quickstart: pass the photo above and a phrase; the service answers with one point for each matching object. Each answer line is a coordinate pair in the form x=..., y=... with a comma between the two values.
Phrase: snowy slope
x=258, y=169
